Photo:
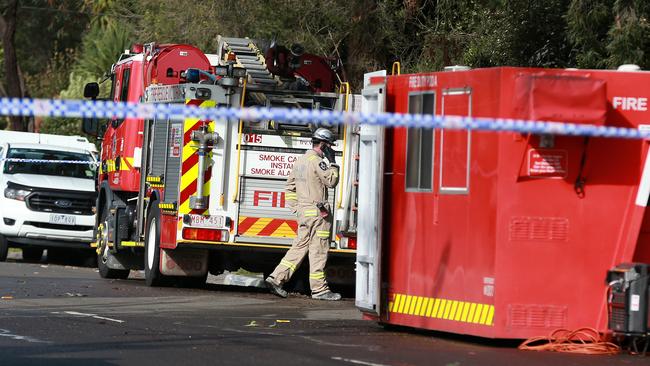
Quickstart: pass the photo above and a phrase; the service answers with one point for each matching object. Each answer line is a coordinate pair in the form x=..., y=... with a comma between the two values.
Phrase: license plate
x=62, y=219
x=206, y=221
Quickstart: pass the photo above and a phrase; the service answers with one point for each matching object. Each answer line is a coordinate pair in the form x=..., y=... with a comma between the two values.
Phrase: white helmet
x=323, y=134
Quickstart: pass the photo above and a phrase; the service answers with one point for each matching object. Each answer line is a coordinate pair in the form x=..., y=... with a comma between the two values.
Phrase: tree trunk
x=14, y=89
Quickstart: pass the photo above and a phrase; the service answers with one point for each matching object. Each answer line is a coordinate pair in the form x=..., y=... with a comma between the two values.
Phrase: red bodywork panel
x=168, y=229
x=122, y=138
x=314, y=69
x=505, y=244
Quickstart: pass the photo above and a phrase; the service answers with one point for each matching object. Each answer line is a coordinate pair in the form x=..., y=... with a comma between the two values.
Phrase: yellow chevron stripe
x=190, y=176
x=477, y=314
x=400, y=303
x=132, y=244
x=188, y=150
x=284, y=231
x=436, y=307
x=423, y=308
x=185, y=206
x=258, y=226
x=490, y=317
x=452, y=310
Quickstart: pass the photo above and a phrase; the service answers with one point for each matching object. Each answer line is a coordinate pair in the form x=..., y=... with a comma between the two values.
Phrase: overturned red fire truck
x=502, y=235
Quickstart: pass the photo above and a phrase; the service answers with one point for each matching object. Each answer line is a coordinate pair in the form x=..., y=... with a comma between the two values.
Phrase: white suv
x=45, y=205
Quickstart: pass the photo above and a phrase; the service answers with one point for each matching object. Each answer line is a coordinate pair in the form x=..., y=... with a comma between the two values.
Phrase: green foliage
x=100, y=49
x=588, y=23
x=609, y=33
x=629, y=36
x=59, y=56
x=45, y=28
x=54, y=77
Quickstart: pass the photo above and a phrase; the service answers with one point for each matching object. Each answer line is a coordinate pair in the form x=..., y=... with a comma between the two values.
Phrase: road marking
x=92, y=316
x=6, y=333
x=357, y=362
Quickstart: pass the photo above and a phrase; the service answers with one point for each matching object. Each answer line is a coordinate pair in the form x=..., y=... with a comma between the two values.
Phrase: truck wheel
x=4, y=248
x=103, y=252
x=32, y=254
x=152, y=274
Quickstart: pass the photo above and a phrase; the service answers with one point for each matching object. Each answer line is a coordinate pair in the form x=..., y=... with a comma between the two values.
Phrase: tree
x=100, y=48
x=13, y=84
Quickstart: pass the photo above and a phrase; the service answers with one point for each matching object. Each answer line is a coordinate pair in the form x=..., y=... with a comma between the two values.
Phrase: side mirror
x=91, y=126
x=91, y=90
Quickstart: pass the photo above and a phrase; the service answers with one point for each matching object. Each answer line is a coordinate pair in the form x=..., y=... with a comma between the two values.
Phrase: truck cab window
x=124, y=92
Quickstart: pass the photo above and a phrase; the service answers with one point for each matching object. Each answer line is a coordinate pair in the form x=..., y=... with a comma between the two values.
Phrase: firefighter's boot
x=275, y=288
x=327, y=295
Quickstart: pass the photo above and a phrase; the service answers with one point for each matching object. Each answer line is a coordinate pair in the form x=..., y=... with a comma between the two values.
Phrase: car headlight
x=16, y=194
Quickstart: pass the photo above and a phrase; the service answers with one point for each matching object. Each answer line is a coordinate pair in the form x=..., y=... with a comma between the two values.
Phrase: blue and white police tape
x=120, y=110
x=48, y=161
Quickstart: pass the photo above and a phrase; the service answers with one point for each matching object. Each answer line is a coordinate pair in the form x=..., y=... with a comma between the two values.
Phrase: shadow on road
x=59, y=256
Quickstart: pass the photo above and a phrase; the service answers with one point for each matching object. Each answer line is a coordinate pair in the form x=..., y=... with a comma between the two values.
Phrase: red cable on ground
x=583, y=340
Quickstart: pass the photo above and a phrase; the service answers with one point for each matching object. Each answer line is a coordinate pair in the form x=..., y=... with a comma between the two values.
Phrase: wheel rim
x=103, y=239
x=151, y=243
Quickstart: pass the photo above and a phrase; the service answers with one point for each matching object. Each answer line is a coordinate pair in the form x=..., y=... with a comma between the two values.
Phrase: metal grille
x=618, y=318
x=173, y=172
x=75, y=203
x=537, y=316
x=45, y=225
x=539, y=228
x=158, y=151
x=161, y=151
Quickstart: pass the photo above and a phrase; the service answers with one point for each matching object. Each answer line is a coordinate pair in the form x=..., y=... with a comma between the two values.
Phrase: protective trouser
x=313, y=237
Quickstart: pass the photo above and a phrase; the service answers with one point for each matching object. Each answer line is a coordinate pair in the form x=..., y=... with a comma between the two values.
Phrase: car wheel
x=103, y=251
x=32, y=254
x=152, y=274
x=4, y=248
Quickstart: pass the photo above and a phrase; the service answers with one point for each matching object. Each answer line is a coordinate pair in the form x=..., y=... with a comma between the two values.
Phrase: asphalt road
x=62, y=315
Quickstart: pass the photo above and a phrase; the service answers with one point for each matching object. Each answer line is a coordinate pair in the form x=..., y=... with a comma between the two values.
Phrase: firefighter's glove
x=329, y=154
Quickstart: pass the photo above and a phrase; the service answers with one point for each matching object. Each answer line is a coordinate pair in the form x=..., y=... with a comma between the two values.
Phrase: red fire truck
x=193, y=195
x=502, y=235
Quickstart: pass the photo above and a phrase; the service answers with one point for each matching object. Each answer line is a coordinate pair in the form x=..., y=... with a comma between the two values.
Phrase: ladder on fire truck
x=248, y=55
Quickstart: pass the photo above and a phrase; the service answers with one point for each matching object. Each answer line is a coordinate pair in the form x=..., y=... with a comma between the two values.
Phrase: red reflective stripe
x=187, y=192
x=187, y=137
x=271, y=227
x=293, y=224
x=189, y=163
x=246, y=224
x=194, y=102
x=191, y=188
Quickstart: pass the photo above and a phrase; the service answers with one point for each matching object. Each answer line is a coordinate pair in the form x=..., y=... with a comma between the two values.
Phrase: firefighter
x=306, y=194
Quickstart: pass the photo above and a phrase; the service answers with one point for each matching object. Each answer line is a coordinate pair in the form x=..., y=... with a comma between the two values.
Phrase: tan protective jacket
x=309, y=180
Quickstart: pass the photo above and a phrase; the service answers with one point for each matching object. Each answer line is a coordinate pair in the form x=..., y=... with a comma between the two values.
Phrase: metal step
x=255, y=58
x=237, y=41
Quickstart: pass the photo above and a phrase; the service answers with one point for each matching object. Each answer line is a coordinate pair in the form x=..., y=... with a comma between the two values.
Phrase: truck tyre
x=32, y=254
x=4, y=248
x=152, y=274
x=103, y=252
